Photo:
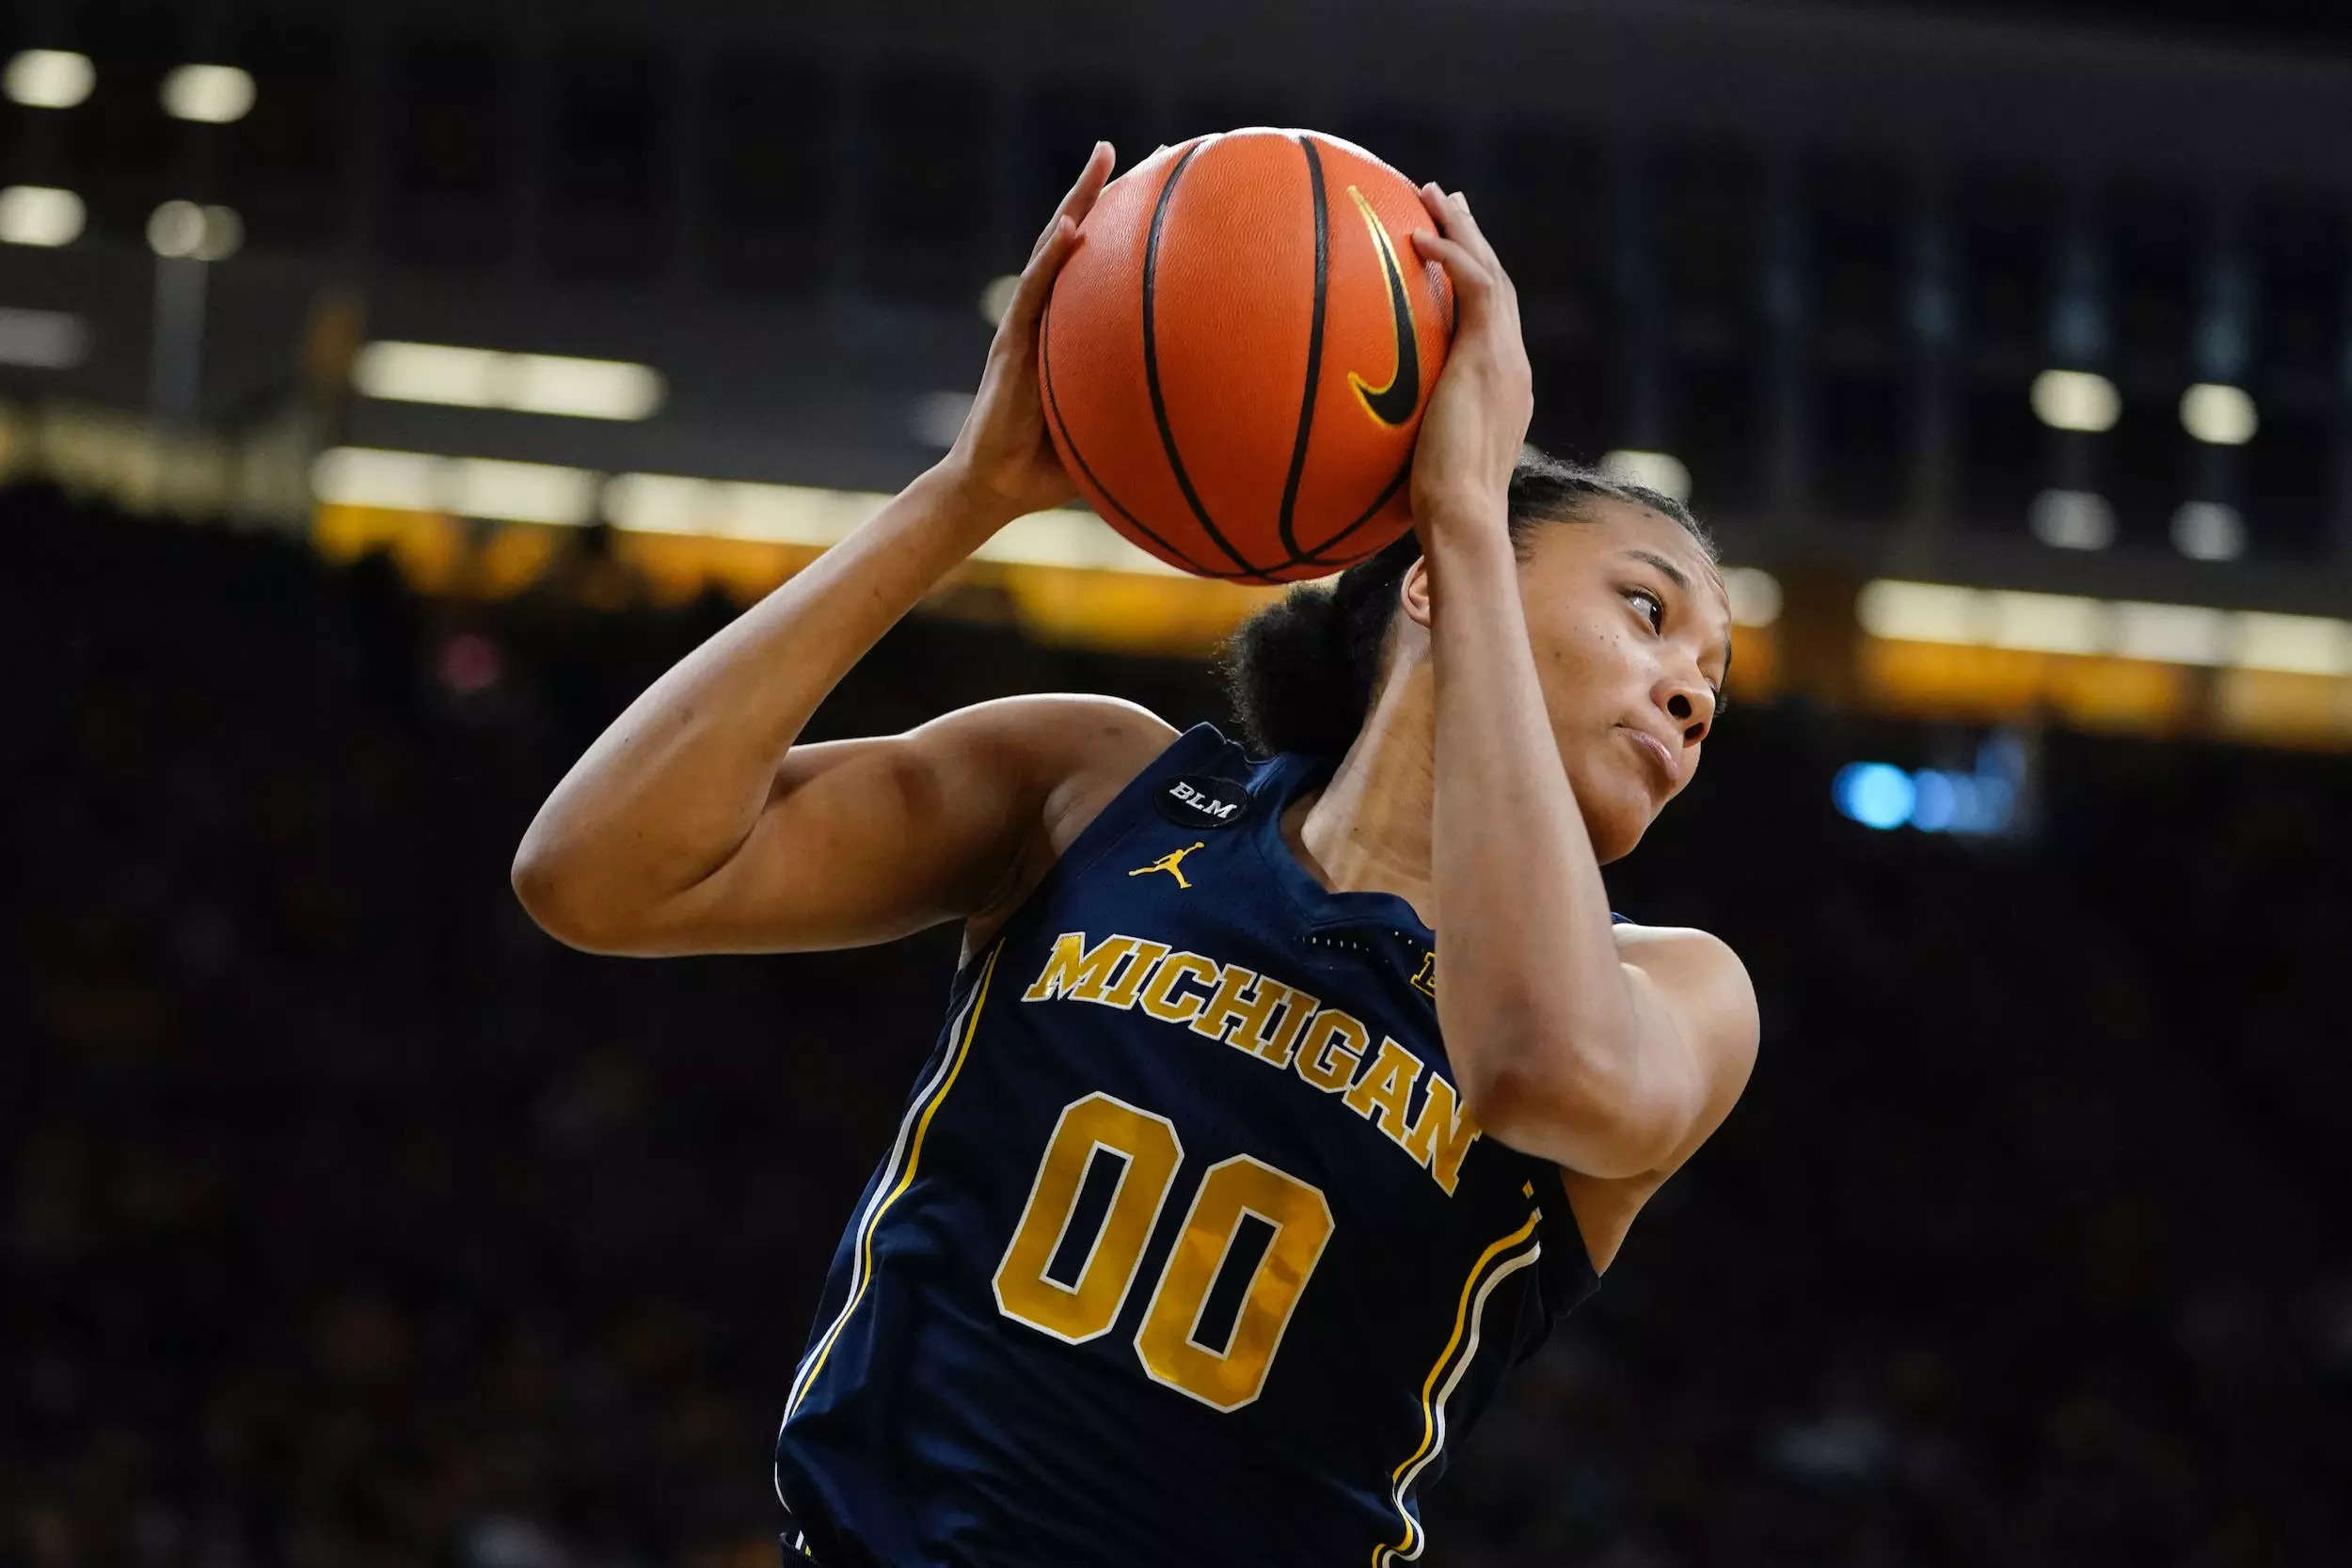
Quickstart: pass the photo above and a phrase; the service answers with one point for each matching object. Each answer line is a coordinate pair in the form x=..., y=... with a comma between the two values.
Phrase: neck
x=1367, y=830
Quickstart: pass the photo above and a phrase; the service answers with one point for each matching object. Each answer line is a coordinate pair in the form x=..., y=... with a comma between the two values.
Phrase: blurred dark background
x=354, y=1222
x=350, y=1221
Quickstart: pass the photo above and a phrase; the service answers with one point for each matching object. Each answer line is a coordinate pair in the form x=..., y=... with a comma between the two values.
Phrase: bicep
x=863, y=841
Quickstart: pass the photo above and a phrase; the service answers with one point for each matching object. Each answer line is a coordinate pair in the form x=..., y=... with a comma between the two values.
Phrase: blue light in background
x=1875, y=794
x=1935, y=801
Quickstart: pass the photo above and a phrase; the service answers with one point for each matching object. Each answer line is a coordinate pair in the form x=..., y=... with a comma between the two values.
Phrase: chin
x=1614, y=826
x=1607, y=846
x=1617, y=810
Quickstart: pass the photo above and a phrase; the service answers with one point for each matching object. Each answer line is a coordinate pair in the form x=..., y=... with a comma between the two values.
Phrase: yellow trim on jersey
x=1466, y=1315
x=919, y=1119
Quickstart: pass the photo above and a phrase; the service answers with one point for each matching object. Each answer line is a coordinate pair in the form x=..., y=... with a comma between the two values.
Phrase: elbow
x=546, y=884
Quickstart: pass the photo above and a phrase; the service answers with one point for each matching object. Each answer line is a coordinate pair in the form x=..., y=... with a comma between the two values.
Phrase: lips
x=1668, y=766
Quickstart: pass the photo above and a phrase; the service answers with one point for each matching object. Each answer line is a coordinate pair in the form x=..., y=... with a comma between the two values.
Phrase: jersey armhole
x=1202, y=748
x=1195, y=751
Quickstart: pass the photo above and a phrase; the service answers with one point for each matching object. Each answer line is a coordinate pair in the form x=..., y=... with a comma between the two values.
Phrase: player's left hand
x=1478, y=412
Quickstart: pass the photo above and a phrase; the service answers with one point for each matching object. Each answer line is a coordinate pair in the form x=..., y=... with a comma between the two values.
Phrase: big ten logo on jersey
x=1196, y=801
x=1276, y=1024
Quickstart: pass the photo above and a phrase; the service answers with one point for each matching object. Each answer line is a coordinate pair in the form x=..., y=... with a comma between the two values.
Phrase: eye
x=1656, y=612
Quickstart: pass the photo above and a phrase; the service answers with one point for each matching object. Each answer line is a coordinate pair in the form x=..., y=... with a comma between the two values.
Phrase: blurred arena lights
x=1875, y=794
x=211, y=94
x=938, y=418
x=48, y=78
x=39, y=215
x=1657, y=470
x=182, y=230
x=525, y=383
x=805, y=516
x=2209, y=531
x=43, y=340
x=2072, y=520
x=483, y=487
x=2044, y=623
x=814, y=519
x=2298, y=644
x=2076, y=399
x=2218, y=415
x=2065, y=623
x=2171, y=633
x=996, y=298
x=1754, y=596
x=1976, y=803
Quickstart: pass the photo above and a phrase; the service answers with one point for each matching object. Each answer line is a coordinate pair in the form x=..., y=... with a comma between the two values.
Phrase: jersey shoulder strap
x=1200, y=780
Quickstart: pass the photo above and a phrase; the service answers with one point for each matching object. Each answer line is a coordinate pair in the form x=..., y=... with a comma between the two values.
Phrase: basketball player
x=1225, y=1199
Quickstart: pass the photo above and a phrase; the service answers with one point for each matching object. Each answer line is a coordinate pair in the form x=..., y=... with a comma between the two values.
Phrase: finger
x=1461, y=225
x=1037, y=282
x=1082, y=195
x=1465, y=226
x=1471, y=275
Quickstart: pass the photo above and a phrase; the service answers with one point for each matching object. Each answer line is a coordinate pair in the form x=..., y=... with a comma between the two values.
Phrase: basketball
x=1235, y=361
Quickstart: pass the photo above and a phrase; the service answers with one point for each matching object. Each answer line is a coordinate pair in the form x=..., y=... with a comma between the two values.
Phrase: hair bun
x=1286, y=672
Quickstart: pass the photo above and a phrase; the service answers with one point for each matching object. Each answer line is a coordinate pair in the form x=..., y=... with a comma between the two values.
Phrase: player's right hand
x=1003, y=462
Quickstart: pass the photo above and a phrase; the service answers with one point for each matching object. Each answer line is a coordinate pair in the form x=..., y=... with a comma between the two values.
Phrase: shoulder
x=1054, y=742
x=1703, y=981
x=1074, y=752
x=1070, y=752
x=1082, y=749
x=1706, y=990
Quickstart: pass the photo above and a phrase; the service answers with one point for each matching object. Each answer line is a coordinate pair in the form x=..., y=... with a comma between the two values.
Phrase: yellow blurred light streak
x=2064, y=622
x=466, y=378
x=2281, y=709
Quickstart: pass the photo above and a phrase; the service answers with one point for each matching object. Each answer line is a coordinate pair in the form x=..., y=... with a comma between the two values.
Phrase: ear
x=1412, y=592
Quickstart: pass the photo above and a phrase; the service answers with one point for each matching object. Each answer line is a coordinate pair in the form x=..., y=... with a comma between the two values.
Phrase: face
x=1631, y=627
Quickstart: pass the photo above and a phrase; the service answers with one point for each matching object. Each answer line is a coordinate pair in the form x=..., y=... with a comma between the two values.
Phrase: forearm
x=675, y=784
x=1537, y=1010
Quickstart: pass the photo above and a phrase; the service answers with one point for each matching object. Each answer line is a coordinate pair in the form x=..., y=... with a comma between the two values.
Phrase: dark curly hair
x=1299, y=674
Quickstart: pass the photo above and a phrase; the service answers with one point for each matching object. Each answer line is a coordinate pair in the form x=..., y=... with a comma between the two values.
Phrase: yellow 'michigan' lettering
x=1277, y=1023
x=1386, y=1088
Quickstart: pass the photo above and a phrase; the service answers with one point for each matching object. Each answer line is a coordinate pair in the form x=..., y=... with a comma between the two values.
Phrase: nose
x=1690, y=703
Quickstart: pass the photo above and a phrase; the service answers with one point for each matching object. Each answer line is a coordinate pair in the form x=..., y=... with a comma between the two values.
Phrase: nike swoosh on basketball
x=1394, y=404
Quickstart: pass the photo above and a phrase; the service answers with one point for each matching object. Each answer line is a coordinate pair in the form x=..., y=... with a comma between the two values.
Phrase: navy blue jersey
x=1187, y=1250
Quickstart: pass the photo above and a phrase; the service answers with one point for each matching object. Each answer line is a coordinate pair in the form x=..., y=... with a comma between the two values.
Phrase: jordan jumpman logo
x=1171, y=863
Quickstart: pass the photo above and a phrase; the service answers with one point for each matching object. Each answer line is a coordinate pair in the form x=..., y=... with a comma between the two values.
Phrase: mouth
x=1664, y=762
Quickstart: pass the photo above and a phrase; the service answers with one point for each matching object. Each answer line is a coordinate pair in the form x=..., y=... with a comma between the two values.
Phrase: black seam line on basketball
x=1053, y=412
x=1314, y=350
x=1151, y=368
x=1316, y=556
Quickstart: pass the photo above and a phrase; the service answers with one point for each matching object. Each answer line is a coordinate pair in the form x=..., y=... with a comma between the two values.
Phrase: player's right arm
x=695, y=824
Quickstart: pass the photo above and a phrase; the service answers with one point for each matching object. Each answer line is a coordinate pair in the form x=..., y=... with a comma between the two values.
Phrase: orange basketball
x=1235, y=362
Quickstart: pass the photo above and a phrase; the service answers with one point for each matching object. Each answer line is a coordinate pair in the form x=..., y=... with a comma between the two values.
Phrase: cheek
x=1586, y=664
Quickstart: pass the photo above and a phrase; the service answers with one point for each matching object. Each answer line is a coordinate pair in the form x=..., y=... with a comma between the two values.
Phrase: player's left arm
x=1606, y=1054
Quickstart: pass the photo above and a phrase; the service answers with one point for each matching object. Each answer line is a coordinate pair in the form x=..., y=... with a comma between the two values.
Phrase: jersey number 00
x=1038, y=1283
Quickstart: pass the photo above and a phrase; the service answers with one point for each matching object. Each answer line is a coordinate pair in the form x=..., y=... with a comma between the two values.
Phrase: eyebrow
x=1682, y=580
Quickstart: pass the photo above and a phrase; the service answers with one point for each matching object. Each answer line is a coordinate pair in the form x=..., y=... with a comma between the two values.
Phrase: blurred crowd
x=351, y=1222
